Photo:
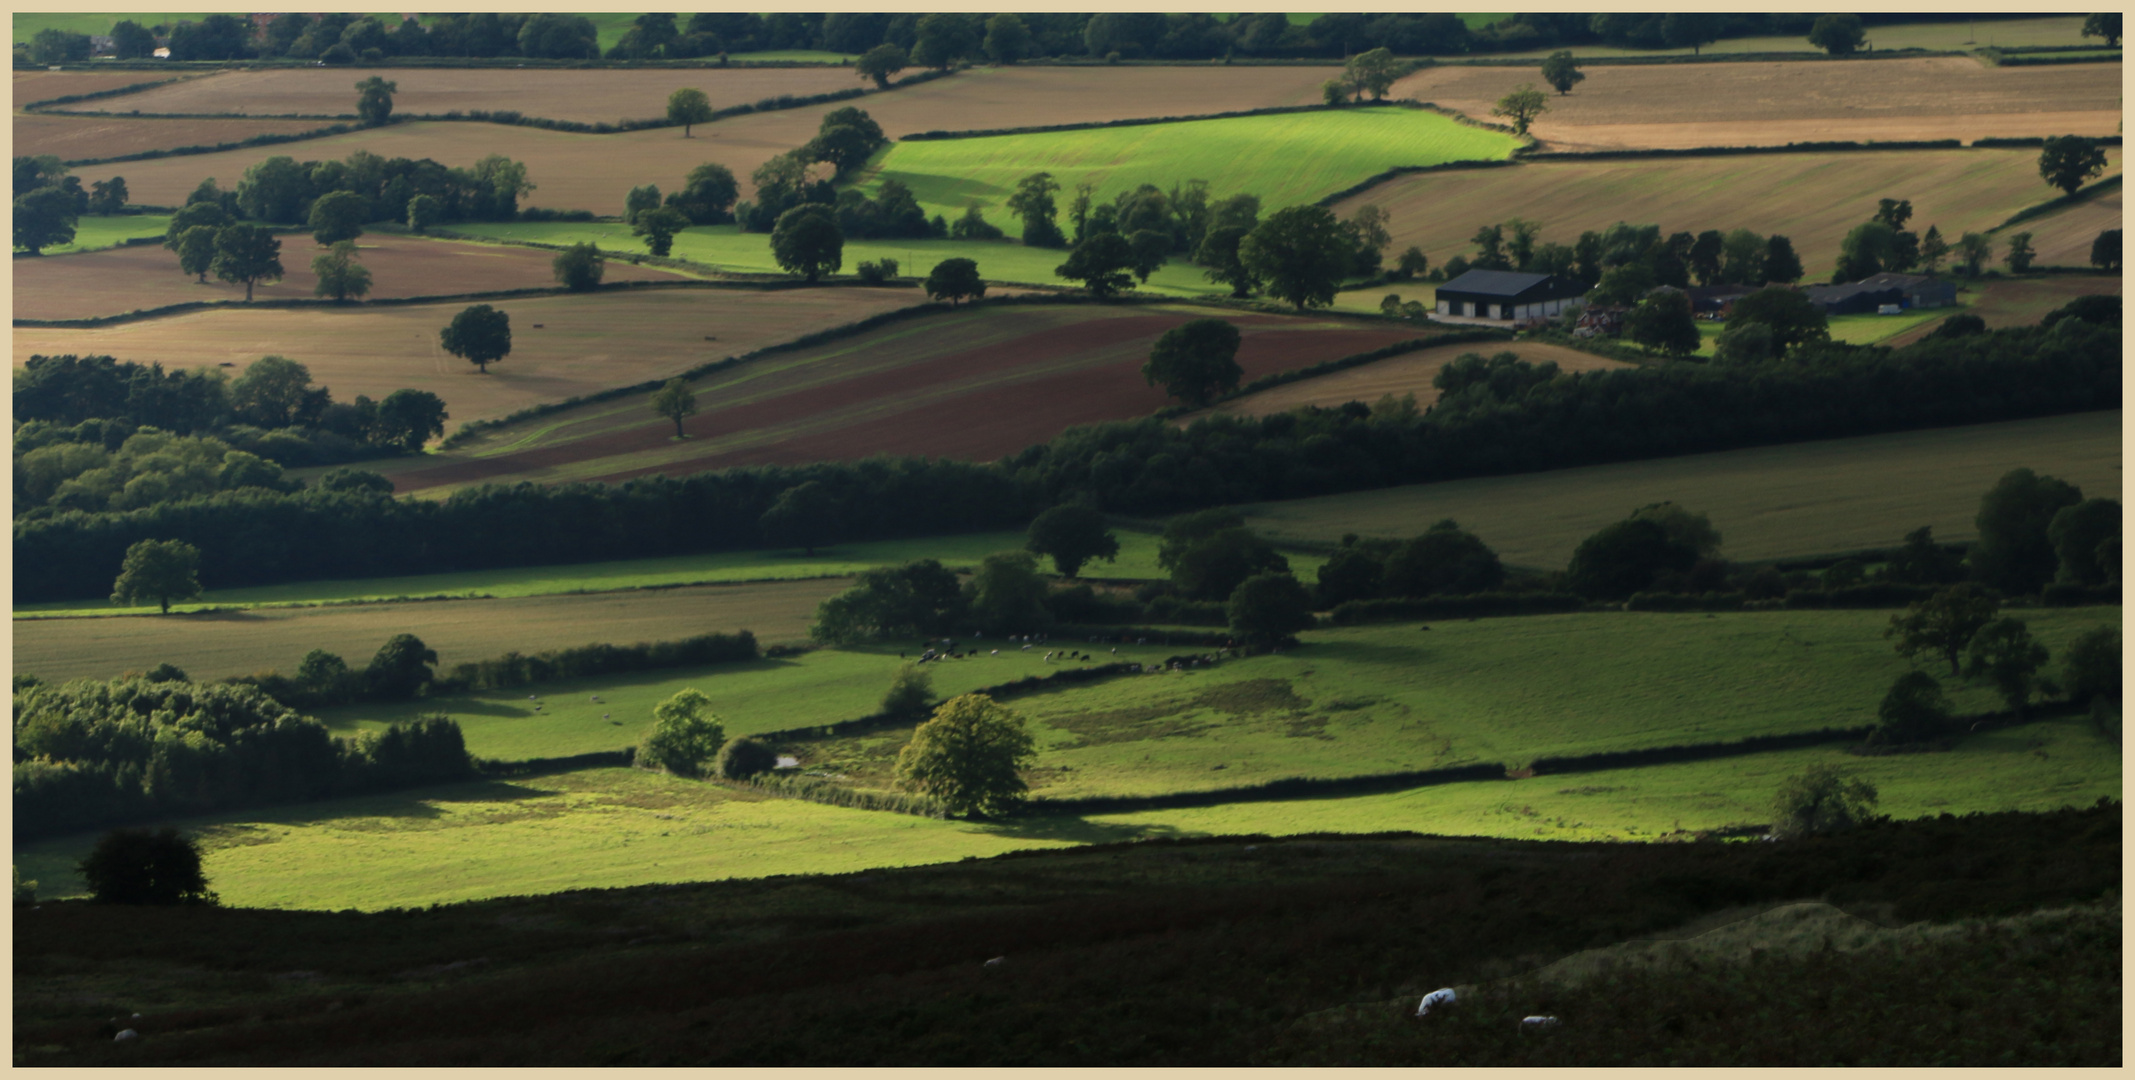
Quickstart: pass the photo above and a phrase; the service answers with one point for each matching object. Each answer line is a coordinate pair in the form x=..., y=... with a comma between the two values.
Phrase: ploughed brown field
x=215, y=645
x=1767, y=104
x=600, y=96
x=1813, y=199
x=81, y=138
x=1409, y=373
x=974, y=385
x=595, y=172
x=117, y=280
x=581, y=343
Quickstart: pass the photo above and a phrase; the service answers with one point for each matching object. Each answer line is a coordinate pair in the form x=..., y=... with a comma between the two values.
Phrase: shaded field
x=75, y=138
x=95, y=233
x=1284, y=159
x=214, y=645
x=1770, y=104
x=2064, y=237
x=1136, y=561
x=596, y=829
x=581, y=172
x=974, y=385
x=2044, y=30
x=1768, y=502
x=1410, y=373
x=147, y=276
x=1813, y=199
x=1396, y=698
x=726, y=247
x=825, y=686
x=595, y=96
x=2021, y=302
x=583, y=343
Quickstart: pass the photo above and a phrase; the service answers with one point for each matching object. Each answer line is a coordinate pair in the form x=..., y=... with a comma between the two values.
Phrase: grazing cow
x=995, y=652
x=1436, y=999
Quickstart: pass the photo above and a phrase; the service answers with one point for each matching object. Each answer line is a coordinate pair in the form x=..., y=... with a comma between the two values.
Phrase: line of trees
x=50, y=201
x=90, y=753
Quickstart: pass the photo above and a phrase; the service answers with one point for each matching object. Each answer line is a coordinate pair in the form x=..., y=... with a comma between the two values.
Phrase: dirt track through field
x=1410, y=373
x=212, y=646
x=595, y=172
x=117, y=280
x=1813, y=199
x=973, y=386
x=1765, y=104
x=582, y=343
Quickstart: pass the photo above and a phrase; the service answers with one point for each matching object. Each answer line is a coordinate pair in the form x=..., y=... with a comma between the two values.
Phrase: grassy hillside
x=93, y=233
x=1319, y=153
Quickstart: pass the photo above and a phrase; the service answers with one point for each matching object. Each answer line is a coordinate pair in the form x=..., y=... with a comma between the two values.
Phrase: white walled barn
x=1507, y=295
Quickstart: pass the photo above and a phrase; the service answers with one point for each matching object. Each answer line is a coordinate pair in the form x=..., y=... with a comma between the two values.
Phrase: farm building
x=1503, y=294
x=1713, y=301
x=1872, y=293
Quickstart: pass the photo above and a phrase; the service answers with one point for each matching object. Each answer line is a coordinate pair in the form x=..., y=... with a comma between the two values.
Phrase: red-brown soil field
x=1764, y=104
x=1409, y=373
x=582, y=172
x=598, y=96
x=1813, y=199
x=973, y=385
x=117, y=280
x=215, y=645
x=83, y=138
x=562, y=346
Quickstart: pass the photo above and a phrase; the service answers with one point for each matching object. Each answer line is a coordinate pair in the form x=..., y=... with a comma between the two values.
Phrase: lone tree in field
x=2020, y=253
x=425, y=211
x=1269, y=609
x=196, y=250
x=247, y=255
x=1071, y=535
x=2105, y=25
x=2105, y=251
x=685, y=734
x=808, y=242
x=740, y=759
x=1521, y=107
x=135, y=866
x=2067, y=161
x=688, y=107
x=881, y=62
x=1915, y=710
x=659, y=228
x=1838, y=33
x=480, y=334
x=1300, y=253
x=1033, y=202
x=1943, y=624
x=158, y=570
x=374, y=100
x=955, y=280
x=1104, y=263
x=579, y=267
x=1373, y=72
x=341, y=277
x=675, y=401
x=1561, y=70
x=969, y=757
x=400, y=668
x=2005, y=652
x=409, y=418
x=1821, y=800
x=44, y=218
x=1195, y=362
x=805, y=516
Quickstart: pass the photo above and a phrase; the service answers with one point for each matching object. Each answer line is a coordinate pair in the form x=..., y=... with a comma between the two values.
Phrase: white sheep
x=122, y=1036
x=1537, y=1023
x=1436, y=999
x=996, y=962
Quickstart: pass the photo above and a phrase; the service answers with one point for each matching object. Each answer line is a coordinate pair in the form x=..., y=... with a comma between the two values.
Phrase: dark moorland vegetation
x=1236, y=951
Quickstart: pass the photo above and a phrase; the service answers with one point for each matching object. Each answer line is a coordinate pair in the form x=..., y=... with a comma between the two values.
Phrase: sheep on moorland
x=1436, y=999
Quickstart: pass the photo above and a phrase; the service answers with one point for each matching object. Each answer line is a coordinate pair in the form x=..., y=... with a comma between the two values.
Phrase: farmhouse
x=1503, y=294
x=1871, y=293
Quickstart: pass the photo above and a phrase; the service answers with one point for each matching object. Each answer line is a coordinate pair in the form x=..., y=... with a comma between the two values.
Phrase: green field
x=28, y=23
x=1394, y=698
x=1768, y=502
x=819, y=687
x=97, y=233
x=726, y=247
x=1865, y=329
x=1322, y=153
x=1137, y=560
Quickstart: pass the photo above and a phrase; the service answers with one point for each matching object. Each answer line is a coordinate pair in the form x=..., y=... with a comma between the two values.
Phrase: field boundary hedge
x=1290, y=787
x=1820, y=147
x=787, y=785
x=2080, y=195
x=1144, y=121
x=490, y=768
x=1667, y=755
x=117, y=91
x=876, y=721
x=1473, y=606
x=1716, y=58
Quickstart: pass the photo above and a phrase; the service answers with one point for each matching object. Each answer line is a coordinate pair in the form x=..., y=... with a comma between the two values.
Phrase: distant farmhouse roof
x=1867, y=294
x=1505, y=294
x=1499, y=284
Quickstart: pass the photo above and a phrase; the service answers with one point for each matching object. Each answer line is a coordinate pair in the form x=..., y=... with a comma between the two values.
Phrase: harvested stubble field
x=588, y=97
x=1768, y=104
x=117, y=281
x=1410, y=373
x=1395, y=698
x=1768, y=502
x=2020, y=302
x=1812, y=199
x=80, y=138
x=2064, y=237
x=1950, y=36
x=583, y=343
x=974, y=385
x=33, y=86
x=581, y=172
x=1284, y=159
x=218, y=644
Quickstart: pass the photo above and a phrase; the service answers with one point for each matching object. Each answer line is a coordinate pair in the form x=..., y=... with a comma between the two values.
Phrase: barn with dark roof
x=1508, y=295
